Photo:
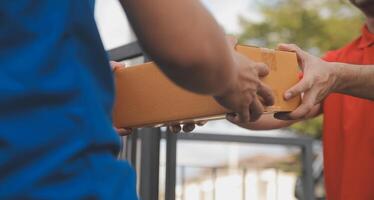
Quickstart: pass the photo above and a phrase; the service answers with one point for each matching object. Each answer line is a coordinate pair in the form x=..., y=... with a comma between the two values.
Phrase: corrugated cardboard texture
x=146, y=97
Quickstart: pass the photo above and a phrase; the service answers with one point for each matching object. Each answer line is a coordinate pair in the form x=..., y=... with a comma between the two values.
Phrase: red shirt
x=349, y=131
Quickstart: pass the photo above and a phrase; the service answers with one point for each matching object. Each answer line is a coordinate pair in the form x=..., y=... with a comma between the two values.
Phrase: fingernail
x=282, y=116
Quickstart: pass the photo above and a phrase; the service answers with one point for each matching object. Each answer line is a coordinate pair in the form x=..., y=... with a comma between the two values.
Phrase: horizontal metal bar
x=291, y=141
x=128, y=51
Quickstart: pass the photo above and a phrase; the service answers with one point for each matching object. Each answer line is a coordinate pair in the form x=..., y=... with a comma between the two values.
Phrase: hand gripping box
x=146, y=97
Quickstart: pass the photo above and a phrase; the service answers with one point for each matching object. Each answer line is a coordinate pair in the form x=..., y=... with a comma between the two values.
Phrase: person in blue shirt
x=56, y=90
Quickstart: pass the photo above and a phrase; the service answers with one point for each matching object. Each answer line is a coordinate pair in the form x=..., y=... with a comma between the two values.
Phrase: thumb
x=301, y=55
x=297, y=89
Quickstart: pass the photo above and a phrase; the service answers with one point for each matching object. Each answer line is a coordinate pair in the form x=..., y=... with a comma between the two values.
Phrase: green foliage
x=311, y=127
x=316, y=26
x=322, y=26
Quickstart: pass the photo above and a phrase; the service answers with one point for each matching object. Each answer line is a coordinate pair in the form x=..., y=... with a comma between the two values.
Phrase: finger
x=201, y=123
x=290, y=47
x=244, y=115
x=256, y=110
x=188, y=127
x=175, y=128
x=306, y=106
x=302, y=86
x=231, y=40
x=232, y=117
x=123, y=131
x=114, y=65
x=266, y=95
x=262, y=69
x=300, y=112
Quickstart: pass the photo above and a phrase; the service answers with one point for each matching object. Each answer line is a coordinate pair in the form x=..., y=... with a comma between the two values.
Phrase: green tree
x=316, y=26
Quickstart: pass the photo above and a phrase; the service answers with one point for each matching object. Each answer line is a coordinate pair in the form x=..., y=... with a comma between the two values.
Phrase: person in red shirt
x=341, y=86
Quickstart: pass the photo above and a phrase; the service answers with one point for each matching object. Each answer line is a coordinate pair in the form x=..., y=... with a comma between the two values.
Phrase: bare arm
x=355, y=80
x=269, y=122
x=183, y=38
x=191, y=49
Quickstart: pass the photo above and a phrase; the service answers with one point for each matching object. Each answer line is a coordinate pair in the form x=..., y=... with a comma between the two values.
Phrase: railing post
x=150, y=161
x=171, y=165
x=307, y=176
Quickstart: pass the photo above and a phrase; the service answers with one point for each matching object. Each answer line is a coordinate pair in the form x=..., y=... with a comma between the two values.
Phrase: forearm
x=268, y=122
x=183, y=39
x=355, y=80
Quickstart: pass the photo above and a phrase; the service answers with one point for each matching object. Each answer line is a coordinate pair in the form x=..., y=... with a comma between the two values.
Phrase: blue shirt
x=56, y=95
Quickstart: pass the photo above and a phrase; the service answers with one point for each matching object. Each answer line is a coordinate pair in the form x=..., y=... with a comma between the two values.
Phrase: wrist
x=230, y=86
x=342, y=77
x=231, y=82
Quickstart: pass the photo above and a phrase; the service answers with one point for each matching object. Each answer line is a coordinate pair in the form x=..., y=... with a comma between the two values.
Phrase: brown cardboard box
x=146, y=97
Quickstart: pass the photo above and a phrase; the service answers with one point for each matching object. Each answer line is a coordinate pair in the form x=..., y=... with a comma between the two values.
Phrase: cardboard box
x=146, y=97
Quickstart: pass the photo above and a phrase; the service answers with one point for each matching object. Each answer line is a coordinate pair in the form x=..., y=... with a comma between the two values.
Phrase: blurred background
x=242, y=164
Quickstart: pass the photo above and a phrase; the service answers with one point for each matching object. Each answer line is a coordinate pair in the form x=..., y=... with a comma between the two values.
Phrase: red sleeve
x=330, y=56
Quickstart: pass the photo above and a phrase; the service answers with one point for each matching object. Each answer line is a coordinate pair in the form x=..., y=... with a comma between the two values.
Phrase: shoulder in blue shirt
x=56, y=136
